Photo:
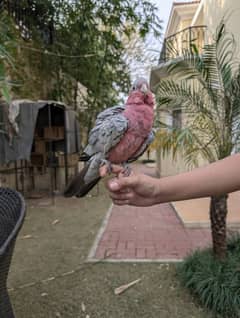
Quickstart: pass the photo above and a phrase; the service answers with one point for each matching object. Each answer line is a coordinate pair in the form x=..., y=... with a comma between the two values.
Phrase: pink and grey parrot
x=121, y=135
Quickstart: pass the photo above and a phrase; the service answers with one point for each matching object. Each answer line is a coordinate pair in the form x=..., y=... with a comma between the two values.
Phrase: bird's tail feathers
x=78, y=187
x=87, y=187
x=84, y=156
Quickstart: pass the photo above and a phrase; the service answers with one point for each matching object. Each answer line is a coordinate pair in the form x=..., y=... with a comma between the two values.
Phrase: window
x=177, y=119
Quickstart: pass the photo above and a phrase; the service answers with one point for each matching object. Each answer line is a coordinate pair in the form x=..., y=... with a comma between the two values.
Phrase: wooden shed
x=39, y=146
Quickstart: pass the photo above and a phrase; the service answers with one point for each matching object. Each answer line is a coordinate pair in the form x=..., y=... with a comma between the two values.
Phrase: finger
x=115, y=169
x=121, y=202
x=123, y=190
x=121, y=196
x=122, y=184
x=103, y=170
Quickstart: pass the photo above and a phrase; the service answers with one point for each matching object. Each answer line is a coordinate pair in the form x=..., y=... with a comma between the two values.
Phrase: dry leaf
x=55, y=222
x=121, y=289
x=27, y=236
x=83, y=307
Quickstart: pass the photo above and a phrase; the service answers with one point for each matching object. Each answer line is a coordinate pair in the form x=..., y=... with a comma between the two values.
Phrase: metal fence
x=178, y=43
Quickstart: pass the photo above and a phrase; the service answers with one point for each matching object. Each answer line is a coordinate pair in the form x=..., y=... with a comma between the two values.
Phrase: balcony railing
x=178, y=43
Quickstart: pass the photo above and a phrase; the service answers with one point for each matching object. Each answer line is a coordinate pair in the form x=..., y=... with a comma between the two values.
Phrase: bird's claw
x=127, y=170
x=106, y=163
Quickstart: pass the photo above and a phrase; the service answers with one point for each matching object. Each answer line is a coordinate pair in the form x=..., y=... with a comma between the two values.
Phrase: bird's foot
x=106, y=163
x=127, y=170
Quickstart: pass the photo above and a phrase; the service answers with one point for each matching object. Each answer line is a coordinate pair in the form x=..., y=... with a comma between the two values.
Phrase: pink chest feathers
x=140, y=121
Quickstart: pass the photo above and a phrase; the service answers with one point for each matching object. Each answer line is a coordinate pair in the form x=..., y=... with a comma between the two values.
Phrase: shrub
x=215, y=283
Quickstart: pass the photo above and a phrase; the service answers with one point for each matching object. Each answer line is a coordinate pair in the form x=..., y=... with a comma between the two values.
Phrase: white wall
x=214, y=10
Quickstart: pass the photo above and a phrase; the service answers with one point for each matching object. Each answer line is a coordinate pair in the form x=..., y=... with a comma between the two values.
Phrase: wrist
x=157, y=193
x=165, y=190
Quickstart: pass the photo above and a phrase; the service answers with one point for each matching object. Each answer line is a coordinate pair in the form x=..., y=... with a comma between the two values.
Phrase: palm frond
x=186, y=95
x=188, y=66
x=206, y=87
x=183, y=141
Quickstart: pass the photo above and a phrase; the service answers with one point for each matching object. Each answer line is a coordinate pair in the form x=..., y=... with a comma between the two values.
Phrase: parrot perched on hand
x=121, y=135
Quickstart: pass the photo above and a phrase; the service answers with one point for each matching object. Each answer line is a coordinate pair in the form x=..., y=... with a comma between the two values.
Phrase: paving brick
x=110, y=253
x=109, y=243
x=140, y=253
x=130, y=253
x=148, y=236
x=153, y=232
x=130, y=244
x=151, y=252
x=145, y=244
x=122, y=245
x=100, y=253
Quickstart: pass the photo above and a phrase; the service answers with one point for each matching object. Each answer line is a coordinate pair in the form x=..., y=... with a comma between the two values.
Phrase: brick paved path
x=152, y=233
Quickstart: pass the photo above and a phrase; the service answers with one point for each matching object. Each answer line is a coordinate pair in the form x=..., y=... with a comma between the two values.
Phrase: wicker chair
x=12, y=212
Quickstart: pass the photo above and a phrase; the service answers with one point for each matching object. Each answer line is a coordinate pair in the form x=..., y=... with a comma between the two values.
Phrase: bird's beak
x=144, y=89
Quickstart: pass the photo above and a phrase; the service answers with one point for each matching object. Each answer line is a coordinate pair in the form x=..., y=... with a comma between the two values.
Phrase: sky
x=164, y=8
x=152, y=47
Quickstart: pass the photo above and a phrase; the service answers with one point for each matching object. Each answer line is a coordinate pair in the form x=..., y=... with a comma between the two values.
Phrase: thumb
x=117, y=184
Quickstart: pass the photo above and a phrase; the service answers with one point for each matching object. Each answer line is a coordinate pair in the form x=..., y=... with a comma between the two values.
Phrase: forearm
x=215, y=179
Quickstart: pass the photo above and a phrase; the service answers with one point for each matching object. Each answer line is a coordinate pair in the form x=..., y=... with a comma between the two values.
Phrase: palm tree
x=206, y=87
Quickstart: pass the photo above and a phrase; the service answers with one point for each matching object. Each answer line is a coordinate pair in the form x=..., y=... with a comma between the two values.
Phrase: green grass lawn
x=45, y=250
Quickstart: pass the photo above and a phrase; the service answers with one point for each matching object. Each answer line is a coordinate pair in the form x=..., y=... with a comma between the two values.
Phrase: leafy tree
x=95, y=30
x=6, y=60
x=141, y=54
x=71, y=42
x=206, y=87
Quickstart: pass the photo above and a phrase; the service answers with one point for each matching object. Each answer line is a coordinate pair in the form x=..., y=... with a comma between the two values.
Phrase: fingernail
x=113, y=185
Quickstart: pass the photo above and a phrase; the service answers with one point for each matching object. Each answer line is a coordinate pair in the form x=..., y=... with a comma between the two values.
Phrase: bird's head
x=141, y=85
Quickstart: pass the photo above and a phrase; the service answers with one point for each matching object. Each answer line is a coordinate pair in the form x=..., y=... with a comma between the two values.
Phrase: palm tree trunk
x=218, y=214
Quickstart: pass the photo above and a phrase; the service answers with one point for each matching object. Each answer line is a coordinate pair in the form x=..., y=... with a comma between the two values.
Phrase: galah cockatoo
x=121, y=134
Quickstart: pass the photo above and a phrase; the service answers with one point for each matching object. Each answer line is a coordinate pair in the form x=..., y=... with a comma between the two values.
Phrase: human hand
x=136, y=189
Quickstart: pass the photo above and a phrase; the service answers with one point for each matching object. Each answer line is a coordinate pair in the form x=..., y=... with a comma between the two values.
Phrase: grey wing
x=106, y=135
x=109, y=112
x=144, y=146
